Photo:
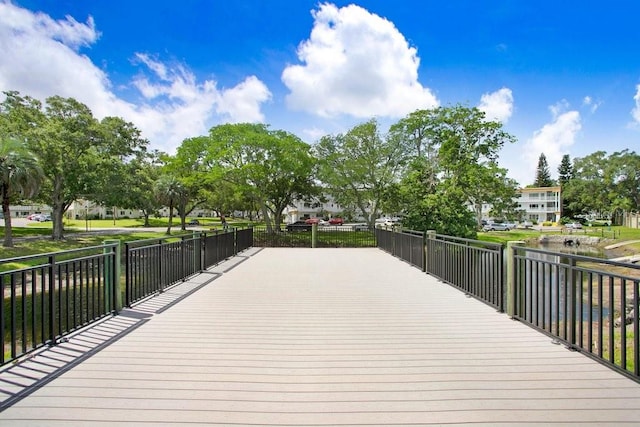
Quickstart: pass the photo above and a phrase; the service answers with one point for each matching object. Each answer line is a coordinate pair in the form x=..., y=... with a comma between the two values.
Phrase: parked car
x=574, y=225
x=496, y=226
x=336, y=221
x=312, y=220
x=41, y=217
x=300, y=225
x=194, y=222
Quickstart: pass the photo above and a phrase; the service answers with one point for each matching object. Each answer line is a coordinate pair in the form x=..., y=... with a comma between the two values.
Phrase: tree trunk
x=183, y=219
x=145, y=215
x=8, y=233
x=267, y=218
x=170, y=218
x=57, y=209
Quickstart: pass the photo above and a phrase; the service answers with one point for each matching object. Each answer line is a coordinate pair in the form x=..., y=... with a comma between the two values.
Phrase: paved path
x=328, y=337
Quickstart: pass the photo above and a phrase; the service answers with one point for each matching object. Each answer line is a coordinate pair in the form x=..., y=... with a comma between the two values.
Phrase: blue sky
x=563, y=77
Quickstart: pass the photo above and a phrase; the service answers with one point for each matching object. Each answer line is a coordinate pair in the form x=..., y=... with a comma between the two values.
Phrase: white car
x=574, y=225
x=496, y=226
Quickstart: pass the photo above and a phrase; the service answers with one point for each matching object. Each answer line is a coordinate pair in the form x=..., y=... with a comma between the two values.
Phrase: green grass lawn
x=72, y=241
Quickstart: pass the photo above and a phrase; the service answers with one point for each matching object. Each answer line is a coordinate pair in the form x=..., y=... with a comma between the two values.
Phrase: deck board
x=329, y=337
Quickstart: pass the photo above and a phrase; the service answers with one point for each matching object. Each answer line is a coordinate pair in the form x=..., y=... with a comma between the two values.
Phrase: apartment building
x=541, y=204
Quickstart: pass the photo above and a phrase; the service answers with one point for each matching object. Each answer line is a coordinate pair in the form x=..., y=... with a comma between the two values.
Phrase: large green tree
x=20, y=177
x=543, y=175
x=361, y=167
x=565, y=174
x=75, y=150
x=457, y=166
x=565, y=170
x=273, y=168
x=191, y=167
x=588, y=192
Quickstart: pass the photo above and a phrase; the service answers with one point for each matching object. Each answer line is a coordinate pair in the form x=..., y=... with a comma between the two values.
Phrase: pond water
x=539, y=282
x=584, y=250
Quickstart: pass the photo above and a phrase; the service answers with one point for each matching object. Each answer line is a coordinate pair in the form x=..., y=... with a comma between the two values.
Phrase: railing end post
x=114, y=282
x=511, y=277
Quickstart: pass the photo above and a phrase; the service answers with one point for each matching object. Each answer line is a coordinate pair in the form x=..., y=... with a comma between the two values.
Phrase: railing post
x=314, y=235
x=197, y=251
x=127, y=276
x=431, y=235
x=572, y=300
x=52, y=298
x=161, y=275
x=112, y=276
x=511, y=276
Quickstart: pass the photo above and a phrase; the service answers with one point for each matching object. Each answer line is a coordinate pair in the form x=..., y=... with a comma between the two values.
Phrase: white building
x=303, y=210
x=541, y=204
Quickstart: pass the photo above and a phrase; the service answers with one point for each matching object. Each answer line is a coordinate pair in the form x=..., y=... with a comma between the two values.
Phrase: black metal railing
x=218, y=246
x=345, y=236
x=407, y=245
x=474, y=266
x=265, y=238
x=591, y=304
x=339, y=236
x=244, y=239
x=150, y=265
x=53, y=295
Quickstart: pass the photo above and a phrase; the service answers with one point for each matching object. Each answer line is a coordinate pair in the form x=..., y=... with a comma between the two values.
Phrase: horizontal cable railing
x=474, y=266
x=591, y=304
x=50, y=295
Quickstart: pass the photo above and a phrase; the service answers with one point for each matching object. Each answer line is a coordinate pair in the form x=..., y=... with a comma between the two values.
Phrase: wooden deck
x=315, y=337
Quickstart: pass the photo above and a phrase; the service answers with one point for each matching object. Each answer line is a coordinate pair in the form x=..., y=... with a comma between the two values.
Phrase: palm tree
x=168, y=190
x=20, y=175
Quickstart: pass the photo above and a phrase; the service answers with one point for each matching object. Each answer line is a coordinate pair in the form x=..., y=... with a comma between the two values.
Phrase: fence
x=56, y=294
x=339, y=236
x=475, y=267
x=152, y=265
x=60, y=292
x=406, y=245
x=590, y=304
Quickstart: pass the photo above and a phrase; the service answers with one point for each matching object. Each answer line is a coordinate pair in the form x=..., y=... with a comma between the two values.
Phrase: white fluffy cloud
x=41, y=57
x=497, y=105
x=355, y=63
x=554, y=139
x=636, y=111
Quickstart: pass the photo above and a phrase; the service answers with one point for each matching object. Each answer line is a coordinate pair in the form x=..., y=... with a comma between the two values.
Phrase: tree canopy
x=359, y=168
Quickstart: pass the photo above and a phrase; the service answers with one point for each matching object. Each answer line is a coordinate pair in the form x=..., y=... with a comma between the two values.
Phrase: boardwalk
x=322, y=337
